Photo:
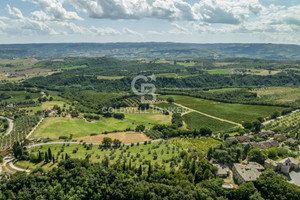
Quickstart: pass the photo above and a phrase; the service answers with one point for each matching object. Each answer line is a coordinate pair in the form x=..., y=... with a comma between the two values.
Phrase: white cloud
x=135, y=9
x=53, y=10
x=132, y=32
x=179, y=30
x=14, y=12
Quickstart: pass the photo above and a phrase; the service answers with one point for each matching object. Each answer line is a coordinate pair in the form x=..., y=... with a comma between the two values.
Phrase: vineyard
x=133, y=101
x=22, y=126
x=289, y=125
x=154, y=134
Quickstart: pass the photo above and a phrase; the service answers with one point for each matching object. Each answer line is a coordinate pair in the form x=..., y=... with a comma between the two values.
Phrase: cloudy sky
x=198, y=21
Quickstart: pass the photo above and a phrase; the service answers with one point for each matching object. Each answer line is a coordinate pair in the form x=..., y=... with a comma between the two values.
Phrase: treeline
x=205, y=81
x=79, y=179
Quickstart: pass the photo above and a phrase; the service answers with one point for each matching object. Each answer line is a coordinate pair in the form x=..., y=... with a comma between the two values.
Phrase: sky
x=188, y=21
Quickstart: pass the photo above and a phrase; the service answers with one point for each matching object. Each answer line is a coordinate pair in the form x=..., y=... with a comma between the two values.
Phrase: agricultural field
x=289, y=125
x=147, y=117
x=20, y=95
x=110, y=77
x=124, y=137
x=162, y=153
x=54, y=127
x=201, y=144
x=171, y=107
x=195, y=121
x=219, y=71
x=74, y=67
x=234, y=112
x=285, y=95
x=167, y=75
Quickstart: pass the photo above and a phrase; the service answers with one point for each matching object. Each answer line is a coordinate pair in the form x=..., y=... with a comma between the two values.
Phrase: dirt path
x=11, y=124
x=34, y=128
x=207, y=115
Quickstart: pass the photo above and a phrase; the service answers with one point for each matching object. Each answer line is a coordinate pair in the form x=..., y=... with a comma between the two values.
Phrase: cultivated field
x=125, y=137
x=234, y=112
x=279, y=94
x=196, y=121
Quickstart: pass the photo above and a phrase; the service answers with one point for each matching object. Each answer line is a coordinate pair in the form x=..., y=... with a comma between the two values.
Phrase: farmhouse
x=268, y=144
x=243, y=173
x=243, y=138
x=291, y=141
x=267, y=133
x=279, y=137
x=284, y=166
x=223, y=170
x=230, y=139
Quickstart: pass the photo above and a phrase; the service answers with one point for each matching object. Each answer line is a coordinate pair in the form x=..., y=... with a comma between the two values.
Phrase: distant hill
x=174, y=51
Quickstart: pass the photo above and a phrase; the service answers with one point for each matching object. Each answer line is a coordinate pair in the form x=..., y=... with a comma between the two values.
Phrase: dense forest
x=79, y=179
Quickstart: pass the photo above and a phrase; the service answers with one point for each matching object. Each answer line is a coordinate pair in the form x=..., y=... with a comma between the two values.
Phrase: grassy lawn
x=50, y=104
x=201, y=144
x=137, y=154
x=234, y=112
x=196, y=121
x=54, y=127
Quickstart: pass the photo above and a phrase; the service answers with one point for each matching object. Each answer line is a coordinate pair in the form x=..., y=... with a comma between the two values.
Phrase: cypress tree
x=40, y=157
x=46, y=157
x=49, y=154
x=140, y=171
x=149, y=170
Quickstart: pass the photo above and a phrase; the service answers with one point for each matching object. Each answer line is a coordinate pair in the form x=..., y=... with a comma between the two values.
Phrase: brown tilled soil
x=125, y=137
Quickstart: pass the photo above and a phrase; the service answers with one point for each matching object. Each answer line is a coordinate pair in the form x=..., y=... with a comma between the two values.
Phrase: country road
x=207, y=115
x=11, y=124
x=283, y=116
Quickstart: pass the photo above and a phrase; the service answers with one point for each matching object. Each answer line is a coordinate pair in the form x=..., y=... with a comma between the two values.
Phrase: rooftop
x=250, y=171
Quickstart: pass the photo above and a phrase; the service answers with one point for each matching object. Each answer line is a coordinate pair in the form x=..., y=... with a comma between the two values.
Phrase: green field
x=137, y=154
x=196, y=121
x=167, y=75
x=20, y=95
x=218, y=71
x=171, y=107
x=149, y=117
x=57, y=126
x=54, y=127
x=234, y=112
x=110, y=77
x=74, y=67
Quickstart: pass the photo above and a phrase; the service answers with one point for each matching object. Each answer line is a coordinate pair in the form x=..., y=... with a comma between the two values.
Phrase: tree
x=74, y=113
x=119, y=116
x=117, y=143
x=140, y=128
x=245, y=191
x=275, y=115
x=49, y=154
x=170, y=100
x=256, y=155
x=205, y=132
x=272, y=153
x=46, y=157
x=247, y=125
x=107, y=142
